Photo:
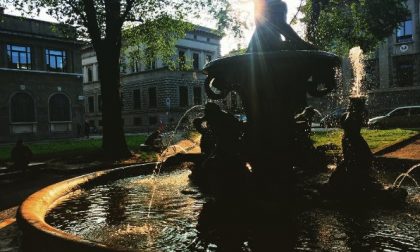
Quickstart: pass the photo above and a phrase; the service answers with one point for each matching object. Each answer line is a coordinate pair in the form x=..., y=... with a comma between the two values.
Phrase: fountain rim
x=278, y=54
x=31, y=213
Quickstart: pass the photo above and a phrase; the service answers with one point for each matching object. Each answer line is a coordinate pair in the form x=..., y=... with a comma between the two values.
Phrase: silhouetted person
x=87, y=129
x=21, y=155
x=271, y=21
x=154, y=140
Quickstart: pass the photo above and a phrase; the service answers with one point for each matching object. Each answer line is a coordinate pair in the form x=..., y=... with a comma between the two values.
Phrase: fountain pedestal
x=273, y=87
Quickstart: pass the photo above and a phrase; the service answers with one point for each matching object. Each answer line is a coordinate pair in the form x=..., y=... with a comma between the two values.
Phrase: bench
x=8, y=172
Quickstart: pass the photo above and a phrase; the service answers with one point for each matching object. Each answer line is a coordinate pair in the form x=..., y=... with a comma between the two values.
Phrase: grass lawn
x=60, y=148
x=377, y=139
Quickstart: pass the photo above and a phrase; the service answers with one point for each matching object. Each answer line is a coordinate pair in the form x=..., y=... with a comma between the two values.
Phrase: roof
x=24, y=26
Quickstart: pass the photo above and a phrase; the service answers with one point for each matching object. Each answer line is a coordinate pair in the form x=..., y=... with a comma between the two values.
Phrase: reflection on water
x=183, y=220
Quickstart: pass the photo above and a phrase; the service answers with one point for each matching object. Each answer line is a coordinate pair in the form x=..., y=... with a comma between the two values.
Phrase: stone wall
x=40, y=86
x=145, y=119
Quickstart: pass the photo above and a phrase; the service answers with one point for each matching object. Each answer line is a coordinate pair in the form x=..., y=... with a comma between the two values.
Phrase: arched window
x=22, y=108
x=59, y=107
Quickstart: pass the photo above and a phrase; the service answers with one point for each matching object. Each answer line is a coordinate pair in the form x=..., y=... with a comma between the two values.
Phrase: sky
x=244, y=8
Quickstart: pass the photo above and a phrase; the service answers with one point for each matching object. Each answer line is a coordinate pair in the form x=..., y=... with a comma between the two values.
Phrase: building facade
x=41, y=80
x=395, y=71
x=152, y=94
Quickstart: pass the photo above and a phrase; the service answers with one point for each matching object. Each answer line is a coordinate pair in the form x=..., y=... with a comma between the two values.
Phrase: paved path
x=410, y=151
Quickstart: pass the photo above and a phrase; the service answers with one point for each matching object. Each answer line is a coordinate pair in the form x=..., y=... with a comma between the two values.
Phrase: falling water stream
x=357, y=62
x=400, y=179
x=166, y=153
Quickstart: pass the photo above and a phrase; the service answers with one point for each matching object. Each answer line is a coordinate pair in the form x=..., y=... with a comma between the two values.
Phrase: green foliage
x=157, y=21
x=154, y=39
x=337, y=25
x=237, y=51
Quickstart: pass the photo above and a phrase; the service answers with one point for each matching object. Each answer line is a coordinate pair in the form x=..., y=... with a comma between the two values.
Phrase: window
x=136, y=99
x=22, y=108
x=208, y=39
x=153, y=120
x=404, y=72
x=195, y=36
x=56, y=60
x=19, y=57
x=197, y=96
x=196, y=61
x=152, y=97
x=181, y=58
x=59, y=107
x=92, y=123
x=208, y=58
x=137, y=121
x=405, y=31
x=100, y=124
x=91, y=104
x=99, y=103
x=183, y=96
x=89, y=70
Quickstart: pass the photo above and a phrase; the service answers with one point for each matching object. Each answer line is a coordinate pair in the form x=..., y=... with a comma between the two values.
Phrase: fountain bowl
x=231, y=72
x=40, y=236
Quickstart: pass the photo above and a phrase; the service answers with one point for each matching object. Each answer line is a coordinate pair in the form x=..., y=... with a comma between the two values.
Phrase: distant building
x=152, y=94
x=395, y=71
x=41, y=81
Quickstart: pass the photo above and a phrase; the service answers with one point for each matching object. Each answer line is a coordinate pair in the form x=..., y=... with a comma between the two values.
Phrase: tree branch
x=297, y=12
x=112, y=21
x=128, y=7
x=77, y=11
x=92, y=21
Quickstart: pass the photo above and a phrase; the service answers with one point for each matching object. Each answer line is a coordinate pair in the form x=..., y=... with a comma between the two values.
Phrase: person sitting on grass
x=21, y=155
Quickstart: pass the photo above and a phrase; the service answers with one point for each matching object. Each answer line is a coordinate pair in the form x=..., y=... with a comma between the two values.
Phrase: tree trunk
x=113, y=143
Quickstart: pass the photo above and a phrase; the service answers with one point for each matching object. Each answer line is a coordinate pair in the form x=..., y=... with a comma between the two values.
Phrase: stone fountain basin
x=380, y=228
x=40, y=236
x=310, y=56
x=298, y=60
x=278, y=73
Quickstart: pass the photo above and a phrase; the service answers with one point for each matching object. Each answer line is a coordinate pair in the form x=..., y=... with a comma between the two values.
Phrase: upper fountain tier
x=313, y=69
x=274, y=59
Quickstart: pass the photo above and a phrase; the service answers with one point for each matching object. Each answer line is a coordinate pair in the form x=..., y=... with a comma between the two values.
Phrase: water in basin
x=118, y=214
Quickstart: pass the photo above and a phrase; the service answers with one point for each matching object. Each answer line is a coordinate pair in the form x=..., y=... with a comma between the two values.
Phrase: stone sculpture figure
x=271, y=22
x=352, y=174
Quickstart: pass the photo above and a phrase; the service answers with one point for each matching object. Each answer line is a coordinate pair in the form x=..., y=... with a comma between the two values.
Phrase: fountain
x=244, y=192
x=352, y=178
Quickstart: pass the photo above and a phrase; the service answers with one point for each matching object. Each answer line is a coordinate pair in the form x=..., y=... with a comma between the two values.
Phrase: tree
x=338, y=25
x=102, y=23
